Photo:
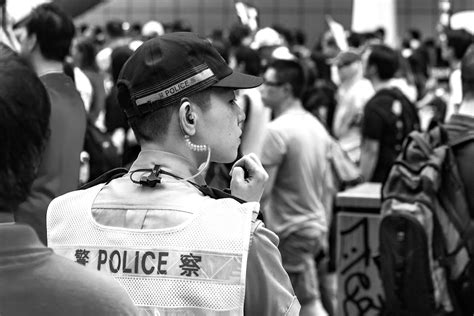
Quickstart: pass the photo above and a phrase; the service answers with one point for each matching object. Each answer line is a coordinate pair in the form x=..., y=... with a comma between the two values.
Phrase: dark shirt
x=388, y=122
x=58, y=172
x=98, y=94
x=458, y=126
x=114, y=116
x=35, y=281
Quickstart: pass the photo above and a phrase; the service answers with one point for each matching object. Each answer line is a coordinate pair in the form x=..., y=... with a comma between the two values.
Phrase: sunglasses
x=273, y=84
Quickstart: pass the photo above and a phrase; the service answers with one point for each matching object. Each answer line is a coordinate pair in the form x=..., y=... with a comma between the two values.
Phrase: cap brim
x=237, y=80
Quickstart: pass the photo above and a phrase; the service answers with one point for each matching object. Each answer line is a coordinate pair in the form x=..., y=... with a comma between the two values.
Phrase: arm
x=372, y=129
x=273, y=152
x=268, y=288
x=368, y=157
x=272, y=172
x=255, y=124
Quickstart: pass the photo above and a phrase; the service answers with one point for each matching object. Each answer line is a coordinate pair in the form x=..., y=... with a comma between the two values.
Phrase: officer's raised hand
x=248, y=178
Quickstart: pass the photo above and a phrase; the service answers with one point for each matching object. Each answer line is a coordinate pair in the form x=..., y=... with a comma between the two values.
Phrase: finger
x=248, y=164
x=239, y=163
x=255, y=158
x=237, y=174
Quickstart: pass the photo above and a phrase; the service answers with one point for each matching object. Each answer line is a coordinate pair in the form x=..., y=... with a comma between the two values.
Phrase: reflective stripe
x=180, y=86
x=166, y=263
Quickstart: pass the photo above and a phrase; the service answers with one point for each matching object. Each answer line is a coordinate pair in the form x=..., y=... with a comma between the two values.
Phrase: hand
x=248, y=178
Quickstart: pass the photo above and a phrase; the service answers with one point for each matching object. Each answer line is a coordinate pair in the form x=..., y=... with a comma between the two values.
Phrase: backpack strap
x=468, y=137
x=418, y=138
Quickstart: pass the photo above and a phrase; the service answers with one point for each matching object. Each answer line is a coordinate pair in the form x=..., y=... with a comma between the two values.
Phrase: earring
x=192, y=146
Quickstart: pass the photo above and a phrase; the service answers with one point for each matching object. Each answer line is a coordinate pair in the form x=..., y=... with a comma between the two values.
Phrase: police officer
x=159, y=230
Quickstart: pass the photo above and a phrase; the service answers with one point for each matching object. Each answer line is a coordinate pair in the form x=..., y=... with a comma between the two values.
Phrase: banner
x=367, y=16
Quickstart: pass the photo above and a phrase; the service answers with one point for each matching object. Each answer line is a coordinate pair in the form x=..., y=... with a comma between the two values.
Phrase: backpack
x=426, y=239
x=103, y=154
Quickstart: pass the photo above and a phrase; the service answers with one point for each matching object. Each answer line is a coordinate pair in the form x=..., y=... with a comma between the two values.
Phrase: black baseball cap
x=166, y=68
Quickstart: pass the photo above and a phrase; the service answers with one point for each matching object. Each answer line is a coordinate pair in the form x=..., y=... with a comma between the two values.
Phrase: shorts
x=298, y=255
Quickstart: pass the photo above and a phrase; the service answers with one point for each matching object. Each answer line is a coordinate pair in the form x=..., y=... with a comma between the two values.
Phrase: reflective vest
x=195, y=268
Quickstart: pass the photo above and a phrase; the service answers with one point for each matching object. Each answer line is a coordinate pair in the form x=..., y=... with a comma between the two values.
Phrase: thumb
x=238, y=174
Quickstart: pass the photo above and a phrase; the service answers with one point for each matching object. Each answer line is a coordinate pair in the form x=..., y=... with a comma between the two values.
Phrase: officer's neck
x=178, y=148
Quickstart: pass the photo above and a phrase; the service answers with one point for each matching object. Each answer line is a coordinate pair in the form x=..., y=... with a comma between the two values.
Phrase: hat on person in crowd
x=266, y=37
x=345, y=58
x=467, y=65
x=167, y=68
x=283, y=53
x=152, y=29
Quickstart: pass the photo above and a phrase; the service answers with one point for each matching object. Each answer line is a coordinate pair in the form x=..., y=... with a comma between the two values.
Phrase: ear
x=30, y=42
x=288, y=88
x=371, y=70
x=187, y=117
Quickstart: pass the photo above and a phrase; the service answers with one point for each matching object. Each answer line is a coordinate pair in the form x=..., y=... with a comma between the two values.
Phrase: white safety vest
x=196, y=268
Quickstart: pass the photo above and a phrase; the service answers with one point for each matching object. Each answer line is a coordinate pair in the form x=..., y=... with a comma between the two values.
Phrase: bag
x=345, y=171
x=426, y=233
x=103, y=154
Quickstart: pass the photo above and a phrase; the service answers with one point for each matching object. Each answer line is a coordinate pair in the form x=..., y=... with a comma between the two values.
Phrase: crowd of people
x=231, y=146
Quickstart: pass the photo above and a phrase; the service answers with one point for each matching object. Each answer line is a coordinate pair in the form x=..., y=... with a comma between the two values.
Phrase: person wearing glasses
x=175, y=244
x=294, y=156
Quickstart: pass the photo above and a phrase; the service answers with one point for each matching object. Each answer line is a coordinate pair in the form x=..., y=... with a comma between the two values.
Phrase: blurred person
x=453, y=47
x=380, y=33
x=152, y=29
x=388, y=116
x=324, y=51
x=432, y=111
x=114, y=36
x=83, y=53
x=221, y=44
x=265, y=41
x=353, y=93
x=45, y=38
x=461, y=125
x=240, y=35
x=34, y=280
x=135, y=30
x=285, y=33
x=115, y=119
x=188, y=251
x=320, y=100
x=299, y=47
x=404, y=79
x=294, y=155
x=179, y=25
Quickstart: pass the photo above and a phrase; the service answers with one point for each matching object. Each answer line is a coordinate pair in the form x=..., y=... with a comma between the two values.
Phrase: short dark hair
x=459, y=41
x=54, y=30
x=114, y=28
x=250, y=59
x=385, y=59
x=154, y=126
x=24, y=128
x=291, y=72
x=118, y=58
x=88, y=51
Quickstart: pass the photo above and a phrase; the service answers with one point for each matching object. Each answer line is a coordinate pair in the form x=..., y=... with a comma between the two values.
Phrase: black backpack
x=426, y=235
x=103, y=155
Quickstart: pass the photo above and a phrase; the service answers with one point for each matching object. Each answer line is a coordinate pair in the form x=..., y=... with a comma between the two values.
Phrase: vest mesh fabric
x=219, y=232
